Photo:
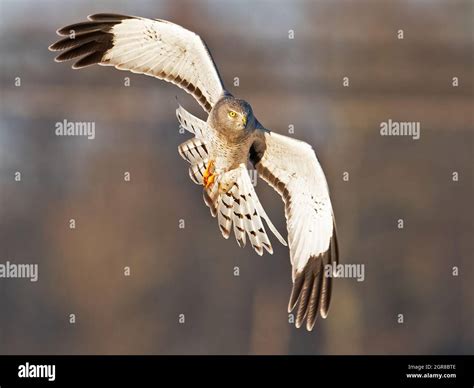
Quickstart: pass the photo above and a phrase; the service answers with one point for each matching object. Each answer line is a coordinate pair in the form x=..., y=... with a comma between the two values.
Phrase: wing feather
x=153, y=47
x=292, y=169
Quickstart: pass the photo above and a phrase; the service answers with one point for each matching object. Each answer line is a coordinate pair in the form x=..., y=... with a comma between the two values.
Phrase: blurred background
x=190, y=271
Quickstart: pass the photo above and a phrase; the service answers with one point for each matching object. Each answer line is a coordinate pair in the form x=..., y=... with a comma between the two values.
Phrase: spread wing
x=290, y=166
x=155, y=47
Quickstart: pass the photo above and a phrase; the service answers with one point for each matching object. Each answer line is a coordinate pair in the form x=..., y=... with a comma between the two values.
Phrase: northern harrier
x=223, y=145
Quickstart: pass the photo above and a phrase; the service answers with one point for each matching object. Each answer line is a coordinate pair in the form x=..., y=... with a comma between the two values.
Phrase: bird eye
x=232, y=114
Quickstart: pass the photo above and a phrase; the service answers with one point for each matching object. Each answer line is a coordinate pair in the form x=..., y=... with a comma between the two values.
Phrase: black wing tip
x=318, y=302
x=89, y=60
x=87, y=26
x=80, y=28
x=89, y=43
x=52, y=47
x=311, y=292
x=80, y=36
x=104, y=16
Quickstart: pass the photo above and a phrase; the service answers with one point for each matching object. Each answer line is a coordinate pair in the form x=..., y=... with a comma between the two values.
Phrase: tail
x=234, y=200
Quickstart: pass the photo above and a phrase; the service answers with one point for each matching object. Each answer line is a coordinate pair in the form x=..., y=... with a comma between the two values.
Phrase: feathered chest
x=228, y=152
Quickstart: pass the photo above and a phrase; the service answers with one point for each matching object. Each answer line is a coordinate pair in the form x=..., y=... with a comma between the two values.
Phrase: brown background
x=190, y=271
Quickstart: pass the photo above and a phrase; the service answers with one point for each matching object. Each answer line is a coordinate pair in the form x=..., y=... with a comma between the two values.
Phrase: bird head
x=233, y=116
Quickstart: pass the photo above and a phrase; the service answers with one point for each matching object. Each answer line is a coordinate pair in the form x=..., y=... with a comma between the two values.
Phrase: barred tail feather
x=239, y=206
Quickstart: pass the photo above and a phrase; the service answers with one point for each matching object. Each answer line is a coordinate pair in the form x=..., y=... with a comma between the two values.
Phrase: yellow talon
x=209, y=177
x=210, y=181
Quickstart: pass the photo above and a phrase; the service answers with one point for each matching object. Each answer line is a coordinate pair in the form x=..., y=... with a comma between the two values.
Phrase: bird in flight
x=223, y=146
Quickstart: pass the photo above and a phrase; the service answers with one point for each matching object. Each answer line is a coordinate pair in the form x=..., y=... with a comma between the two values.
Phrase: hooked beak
x=244, y=120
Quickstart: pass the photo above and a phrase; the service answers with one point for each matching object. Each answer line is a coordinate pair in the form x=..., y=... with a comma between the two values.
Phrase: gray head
x=232, y=117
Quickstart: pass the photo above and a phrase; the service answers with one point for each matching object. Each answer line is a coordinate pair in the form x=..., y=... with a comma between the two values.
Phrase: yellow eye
x=232, y=114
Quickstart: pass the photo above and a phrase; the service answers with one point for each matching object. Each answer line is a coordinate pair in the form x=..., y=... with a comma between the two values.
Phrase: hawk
x=223, y=146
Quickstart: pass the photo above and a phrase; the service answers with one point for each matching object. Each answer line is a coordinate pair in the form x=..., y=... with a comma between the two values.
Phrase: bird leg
x=209, y=176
